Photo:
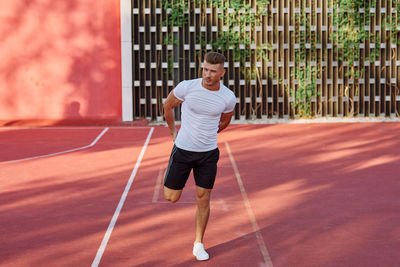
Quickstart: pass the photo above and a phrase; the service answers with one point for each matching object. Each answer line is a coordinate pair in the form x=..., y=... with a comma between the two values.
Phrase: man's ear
x=223, y=72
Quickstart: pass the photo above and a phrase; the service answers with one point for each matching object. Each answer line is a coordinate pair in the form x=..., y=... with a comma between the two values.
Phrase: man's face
x=212, y=73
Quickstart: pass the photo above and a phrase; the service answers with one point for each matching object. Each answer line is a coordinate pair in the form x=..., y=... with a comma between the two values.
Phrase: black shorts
x=181, y=162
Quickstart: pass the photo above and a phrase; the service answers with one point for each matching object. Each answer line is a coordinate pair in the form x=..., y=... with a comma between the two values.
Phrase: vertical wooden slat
x=397, y=57
x=280, y=58
x=274, y=69
x=142, y=77
x=291, y=41
x=394, y=76
x=397, y=72
x=295, y=23
x=386, y=59
x=310, y=43
x=146, y=70
x=286, y=69
x=374, y=74
x=158, y=70
x=329, y=81
x=152, y=53
x=269, y=69
x=163, y=57
x=340, y=78
x=378, y=67
x=368, y=70
x=324, y=69
x=319, y=55
x=247, y=89
x=368, y=74
x=264, y=70
x=362, y=78
x=391, y=57
x=335, y=65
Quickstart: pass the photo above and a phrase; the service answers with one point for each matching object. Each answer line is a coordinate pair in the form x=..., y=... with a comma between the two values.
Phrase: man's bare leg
x=203, y=211
x=202, y=215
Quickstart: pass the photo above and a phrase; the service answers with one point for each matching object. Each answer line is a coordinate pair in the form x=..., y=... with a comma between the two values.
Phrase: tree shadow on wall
x=60, y=52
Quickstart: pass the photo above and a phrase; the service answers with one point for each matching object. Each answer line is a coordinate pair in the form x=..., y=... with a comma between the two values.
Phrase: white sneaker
x=199, y=252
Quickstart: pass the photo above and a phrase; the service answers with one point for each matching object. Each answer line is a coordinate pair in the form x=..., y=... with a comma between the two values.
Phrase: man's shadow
x=73, y=110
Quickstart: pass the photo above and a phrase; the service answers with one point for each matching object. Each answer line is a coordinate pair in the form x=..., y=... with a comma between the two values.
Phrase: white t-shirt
x=200, y=114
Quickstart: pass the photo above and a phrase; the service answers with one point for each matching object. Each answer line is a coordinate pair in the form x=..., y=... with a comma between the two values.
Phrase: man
x=207, y=108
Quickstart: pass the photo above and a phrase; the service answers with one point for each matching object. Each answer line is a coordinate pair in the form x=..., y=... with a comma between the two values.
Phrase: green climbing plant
x=240, y=21
x=304, y=72
x=393, y=23
x=350, y=18
x=176, y=17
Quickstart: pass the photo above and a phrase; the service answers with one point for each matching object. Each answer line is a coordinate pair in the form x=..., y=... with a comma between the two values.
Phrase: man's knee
x=170, y=198
x=172, y=195
x=203, y=196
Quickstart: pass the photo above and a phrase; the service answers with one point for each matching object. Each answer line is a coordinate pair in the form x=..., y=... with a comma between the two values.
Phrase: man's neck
x=211, y=88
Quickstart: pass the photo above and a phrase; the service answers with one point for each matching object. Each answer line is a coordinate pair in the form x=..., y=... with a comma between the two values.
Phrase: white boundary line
x=110, y=228
x=59, y=153
x=250, y=212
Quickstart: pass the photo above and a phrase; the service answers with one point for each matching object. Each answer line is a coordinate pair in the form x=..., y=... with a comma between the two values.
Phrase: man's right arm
x=170, y=103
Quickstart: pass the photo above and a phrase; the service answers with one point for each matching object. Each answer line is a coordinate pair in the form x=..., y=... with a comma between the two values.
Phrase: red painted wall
x=60, y=59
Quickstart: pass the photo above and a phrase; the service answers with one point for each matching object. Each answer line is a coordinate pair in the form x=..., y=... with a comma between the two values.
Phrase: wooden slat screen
x=158, y=67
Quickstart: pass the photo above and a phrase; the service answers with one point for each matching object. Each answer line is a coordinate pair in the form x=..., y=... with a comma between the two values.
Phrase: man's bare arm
x=170, y=103
x=225, y=120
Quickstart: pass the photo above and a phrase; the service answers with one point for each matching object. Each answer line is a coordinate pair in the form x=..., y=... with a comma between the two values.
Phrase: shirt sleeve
x=180, y=90
x=231, y=103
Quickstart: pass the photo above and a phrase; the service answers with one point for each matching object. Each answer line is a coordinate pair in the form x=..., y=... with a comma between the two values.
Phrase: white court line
x=59, y=153
x=250, y=212
x=110, y=228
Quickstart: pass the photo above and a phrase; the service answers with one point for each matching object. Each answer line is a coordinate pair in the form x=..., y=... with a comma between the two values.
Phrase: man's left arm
x=225, y=120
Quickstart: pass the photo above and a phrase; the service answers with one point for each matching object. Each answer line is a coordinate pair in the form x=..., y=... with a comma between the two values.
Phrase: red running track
x=311, y=195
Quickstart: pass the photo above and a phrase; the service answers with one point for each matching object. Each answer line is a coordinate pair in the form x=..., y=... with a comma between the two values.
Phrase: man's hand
x=170, y=103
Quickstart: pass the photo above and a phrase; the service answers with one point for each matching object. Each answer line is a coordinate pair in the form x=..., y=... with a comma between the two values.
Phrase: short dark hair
x=215, y=58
